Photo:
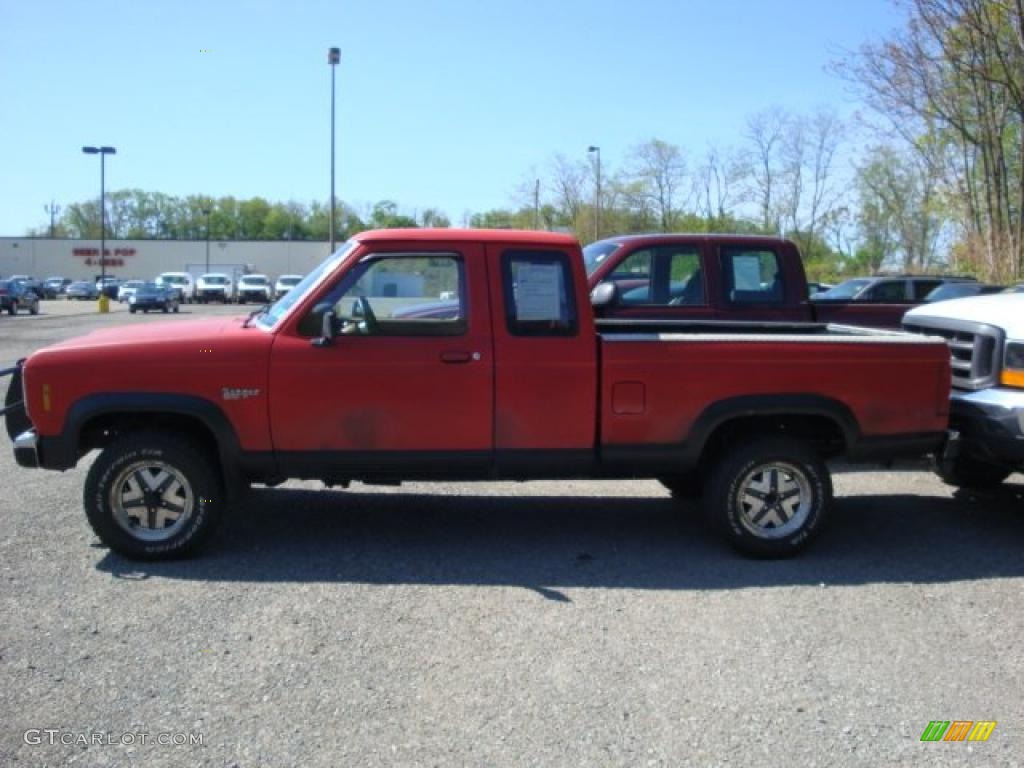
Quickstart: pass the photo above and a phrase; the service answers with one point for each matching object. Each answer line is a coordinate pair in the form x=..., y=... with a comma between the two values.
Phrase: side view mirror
x=327, y=330
x=604, y=295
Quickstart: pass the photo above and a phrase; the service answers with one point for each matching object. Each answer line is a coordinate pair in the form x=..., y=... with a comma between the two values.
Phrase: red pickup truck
x=350, y=376
x=730, y=277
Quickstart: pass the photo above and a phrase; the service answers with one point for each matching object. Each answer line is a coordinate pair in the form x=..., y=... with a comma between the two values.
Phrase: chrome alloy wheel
x=151, y=500
x=774, y=500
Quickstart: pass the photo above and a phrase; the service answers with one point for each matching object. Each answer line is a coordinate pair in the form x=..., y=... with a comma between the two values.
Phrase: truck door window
x=633, y=278
x=663, y=276
x=752, y=276
x=402, y=295
x=538, y=293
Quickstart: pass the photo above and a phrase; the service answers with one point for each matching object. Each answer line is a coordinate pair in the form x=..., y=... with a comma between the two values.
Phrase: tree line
x=931, y=178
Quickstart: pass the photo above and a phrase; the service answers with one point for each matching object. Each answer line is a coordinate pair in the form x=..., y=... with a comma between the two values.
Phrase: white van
x=182, y=281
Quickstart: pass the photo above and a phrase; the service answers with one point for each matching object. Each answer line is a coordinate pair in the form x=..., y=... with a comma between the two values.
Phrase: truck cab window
x=663, y=276
x=402, y=295
x=538, y=293
x=752, y=276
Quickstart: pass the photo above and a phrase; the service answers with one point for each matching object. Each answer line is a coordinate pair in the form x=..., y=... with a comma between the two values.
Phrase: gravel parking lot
x=503, y=624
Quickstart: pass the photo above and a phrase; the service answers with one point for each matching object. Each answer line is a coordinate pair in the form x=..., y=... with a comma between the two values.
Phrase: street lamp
x=333, y=57
x=102, y=152
x=206, y=210
x=597, y=196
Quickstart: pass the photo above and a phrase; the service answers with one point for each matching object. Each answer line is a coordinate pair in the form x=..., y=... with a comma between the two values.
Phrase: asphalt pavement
x=505, y=624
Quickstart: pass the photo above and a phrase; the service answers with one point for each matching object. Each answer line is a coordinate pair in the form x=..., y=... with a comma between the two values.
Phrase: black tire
x=685, y=485
x=968, y=472
x=781, y=469
x=166, y=309
x=131, y=310
x=194, y=485
x=34, y=308
x=13, y=309
x=176, y=308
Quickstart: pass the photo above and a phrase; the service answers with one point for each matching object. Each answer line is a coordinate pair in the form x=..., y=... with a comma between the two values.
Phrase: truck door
x=545, y=371
x=406, y=384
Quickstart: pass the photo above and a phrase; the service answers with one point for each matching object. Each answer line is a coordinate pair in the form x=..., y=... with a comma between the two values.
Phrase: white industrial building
x=145, y=259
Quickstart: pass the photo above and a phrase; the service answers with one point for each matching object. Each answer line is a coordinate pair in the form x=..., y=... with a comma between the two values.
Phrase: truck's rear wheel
x=967, y=472
x=151, y=496
x=769, y=498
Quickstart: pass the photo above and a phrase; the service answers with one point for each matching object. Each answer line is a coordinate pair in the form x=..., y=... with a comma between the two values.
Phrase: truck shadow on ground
x=546, y=543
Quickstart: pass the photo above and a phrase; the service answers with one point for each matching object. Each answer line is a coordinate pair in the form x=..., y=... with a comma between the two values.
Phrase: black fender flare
x=63, y=451
x=744, y=406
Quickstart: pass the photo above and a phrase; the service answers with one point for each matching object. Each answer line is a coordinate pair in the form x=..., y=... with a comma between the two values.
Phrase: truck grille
x=974, y=348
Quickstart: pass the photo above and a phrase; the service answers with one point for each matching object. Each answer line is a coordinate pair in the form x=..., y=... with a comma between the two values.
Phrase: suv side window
x=923, y=287
x=752, y=276
x=402, y=295
x=539, y=300
x=887, y=290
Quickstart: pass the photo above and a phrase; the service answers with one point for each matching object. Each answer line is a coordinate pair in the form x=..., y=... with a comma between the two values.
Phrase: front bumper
x=991, y=424
x=26, y=449
x=214, y=295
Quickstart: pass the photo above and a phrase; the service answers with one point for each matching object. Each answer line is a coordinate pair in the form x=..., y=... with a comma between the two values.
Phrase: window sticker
x=538, y=292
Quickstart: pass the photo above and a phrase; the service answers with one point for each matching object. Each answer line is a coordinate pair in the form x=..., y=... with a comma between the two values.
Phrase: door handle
x=459, y=357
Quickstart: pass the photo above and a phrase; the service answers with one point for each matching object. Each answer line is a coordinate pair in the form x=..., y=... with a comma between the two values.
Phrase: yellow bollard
x=104, y=304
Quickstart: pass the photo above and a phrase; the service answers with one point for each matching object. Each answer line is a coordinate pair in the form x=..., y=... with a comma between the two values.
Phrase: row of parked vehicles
x=222, y=288
x=167, y=292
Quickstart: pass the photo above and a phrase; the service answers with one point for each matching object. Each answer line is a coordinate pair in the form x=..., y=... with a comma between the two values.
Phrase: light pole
x=54, y=210
x=333, y=57
x=206, y=210
x=597, y=196
x=104, y=304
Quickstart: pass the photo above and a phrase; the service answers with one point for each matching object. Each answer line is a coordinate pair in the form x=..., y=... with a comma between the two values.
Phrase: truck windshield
x=845, y=290
x=595, y=254
x=282, y=306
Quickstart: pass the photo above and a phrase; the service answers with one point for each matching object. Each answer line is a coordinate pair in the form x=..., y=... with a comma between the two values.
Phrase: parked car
x=17, y=294
x=285, y=283
x=1016, y=288
x=149, y=296
x=127, y=289
x=215, y=286
x=986, y=408
x=108, y=285
x=182, y=281
x=29, y=283
x=55, y=286
x=520, y=384
x=83, y=290
x=960, y=291
x=816, y=288
x=254, y=288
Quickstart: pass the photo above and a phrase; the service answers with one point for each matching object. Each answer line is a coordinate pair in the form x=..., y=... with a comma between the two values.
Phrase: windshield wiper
x=255, y=313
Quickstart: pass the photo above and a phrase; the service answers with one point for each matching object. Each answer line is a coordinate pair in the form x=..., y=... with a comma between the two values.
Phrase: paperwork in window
x=538, y=292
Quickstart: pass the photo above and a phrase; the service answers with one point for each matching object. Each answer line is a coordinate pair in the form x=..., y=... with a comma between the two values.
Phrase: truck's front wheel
x=967, y=472
x=769, y=498
x=151, y=496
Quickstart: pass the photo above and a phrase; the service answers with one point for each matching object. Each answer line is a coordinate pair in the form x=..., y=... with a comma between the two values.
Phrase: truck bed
x=659, y=375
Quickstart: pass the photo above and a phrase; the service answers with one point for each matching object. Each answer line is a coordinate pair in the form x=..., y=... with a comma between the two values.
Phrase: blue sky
x=451, y=104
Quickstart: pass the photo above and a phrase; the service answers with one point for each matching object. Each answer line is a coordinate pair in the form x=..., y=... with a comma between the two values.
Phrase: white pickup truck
x=986, y=340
